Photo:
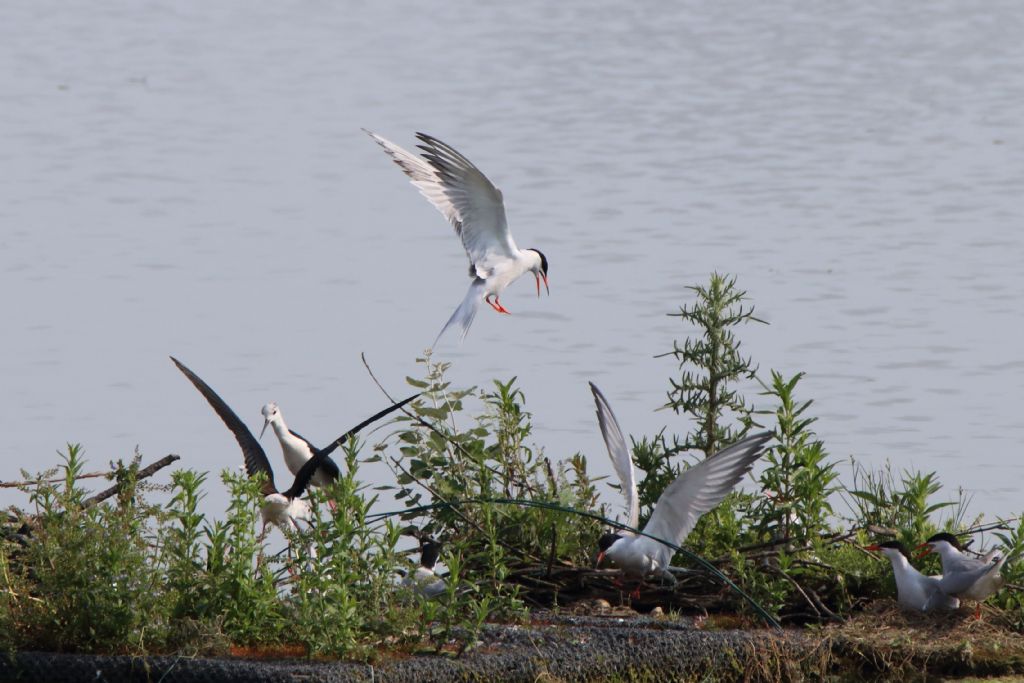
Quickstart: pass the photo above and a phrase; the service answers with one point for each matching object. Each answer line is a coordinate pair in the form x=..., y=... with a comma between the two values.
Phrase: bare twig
x=56, y=480
x=140, y=475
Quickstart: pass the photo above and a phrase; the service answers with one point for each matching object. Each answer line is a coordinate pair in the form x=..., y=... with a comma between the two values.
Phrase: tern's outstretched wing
x=370, y=420
x=464, y=195
x=696, y=491
x=255, y=458
x=956, y=582
x=619, y=453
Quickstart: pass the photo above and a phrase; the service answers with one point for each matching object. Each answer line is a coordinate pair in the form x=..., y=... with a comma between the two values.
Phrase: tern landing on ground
x=297, y=450
x=474, y=206
x=694, y=492
x=280, y=508
x=965, y=577
x=914, y=590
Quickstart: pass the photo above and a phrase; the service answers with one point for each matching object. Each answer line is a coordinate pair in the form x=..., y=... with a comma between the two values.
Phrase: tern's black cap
x=607, y=540
x=947, y=537
x=543, y=261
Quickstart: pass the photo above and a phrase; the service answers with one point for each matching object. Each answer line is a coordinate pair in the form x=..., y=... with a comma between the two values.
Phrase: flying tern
x=279, y=508
x=694, y=492
x=965, y=577
x=297, y=450
x=914, y=590
x=476, y=209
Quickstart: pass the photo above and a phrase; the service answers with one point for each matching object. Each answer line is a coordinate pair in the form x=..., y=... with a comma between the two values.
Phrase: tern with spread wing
x=298, y=450
x=914, y=590
x=476, y=209
x=279, y=508
x=697, y=490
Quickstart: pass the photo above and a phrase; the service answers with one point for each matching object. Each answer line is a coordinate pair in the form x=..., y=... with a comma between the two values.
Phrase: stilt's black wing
x=327, y=465
x=255, y=458
x=305, y=474
x=373, y=418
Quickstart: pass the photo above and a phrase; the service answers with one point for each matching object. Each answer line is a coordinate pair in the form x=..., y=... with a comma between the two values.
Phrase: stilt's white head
x=271, y=414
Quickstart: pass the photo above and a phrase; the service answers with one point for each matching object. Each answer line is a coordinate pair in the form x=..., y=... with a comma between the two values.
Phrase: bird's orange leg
x=496, y=304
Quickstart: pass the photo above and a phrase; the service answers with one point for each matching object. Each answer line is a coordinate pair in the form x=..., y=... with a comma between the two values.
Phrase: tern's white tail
x=466, y=311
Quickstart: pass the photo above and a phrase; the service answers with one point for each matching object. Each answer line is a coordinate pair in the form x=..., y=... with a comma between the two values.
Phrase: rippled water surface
x=191, y=179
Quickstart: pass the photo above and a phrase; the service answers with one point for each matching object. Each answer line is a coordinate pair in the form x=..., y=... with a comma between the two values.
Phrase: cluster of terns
x=963, y=577
x=475, y=208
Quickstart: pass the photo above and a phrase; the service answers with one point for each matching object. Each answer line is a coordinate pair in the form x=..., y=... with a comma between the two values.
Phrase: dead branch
x=139, y=476
x=55, y=480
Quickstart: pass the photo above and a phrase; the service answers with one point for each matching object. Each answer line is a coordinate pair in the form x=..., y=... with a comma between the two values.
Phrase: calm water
x=190, y=179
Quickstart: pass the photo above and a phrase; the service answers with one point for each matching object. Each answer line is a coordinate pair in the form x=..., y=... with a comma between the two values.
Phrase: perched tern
x=914, y=590
x=423, y=580
x=297, y=450
x=965, y=577
x=279, y=508
x=475, y=207
x=694, y=492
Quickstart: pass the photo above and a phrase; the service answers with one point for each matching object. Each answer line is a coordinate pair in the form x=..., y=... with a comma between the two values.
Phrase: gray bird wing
x=463, y=195
x=695, y=491
x=618, y=451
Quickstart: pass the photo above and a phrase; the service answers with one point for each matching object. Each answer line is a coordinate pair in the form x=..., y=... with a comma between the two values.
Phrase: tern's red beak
x=925, y=548
x=872, y=547
x=600, y=558
x=538, y=278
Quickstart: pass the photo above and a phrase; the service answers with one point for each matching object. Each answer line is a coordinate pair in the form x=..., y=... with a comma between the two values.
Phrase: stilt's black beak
x=265, y=423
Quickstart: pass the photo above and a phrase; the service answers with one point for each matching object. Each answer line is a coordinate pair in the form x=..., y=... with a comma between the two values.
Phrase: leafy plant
x=798, y=482
x=710, y=366
x=489, y=462
x=878, y=500
x=84, y=582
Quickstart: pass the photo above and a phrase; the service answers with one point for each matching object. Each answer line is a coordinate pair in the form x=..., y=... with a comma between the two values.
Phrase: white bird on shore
x=279, y=508
x=475, y=207
x=914, y=590
x=697, y=490
x=965, y=577
x=297, y=449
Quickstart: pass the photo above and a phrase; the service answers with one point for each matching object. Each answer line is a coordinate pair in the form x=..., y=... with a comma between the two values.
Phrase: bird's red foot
x=635, y=594
x=496, y=305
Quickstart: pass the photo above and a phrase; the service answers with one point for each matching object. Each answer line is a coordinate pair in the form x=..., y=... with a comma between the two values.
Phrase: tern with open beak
x=476, y=209
x=914, y=590
x=968, y=578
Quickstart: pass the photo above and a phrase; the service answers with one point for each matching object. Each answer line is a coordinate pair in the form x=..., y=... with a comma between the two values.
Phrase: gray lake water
x=190, y=178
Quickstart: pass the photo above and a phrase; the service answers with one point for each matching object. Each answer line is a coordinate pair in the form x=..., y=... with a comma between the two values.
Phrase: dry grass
x=911, y=645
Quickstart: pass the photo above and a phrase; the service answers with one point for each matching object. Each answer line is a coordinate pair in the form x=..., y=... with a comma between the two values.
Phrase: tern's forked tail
x=464, y=314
